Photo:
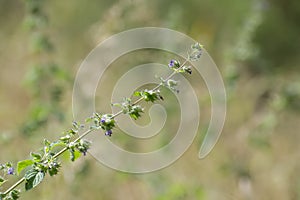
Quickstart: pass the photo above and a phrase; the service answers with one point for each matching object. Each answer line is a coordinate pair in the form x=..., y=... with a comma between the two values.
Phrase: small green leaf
x=2, y=180
x=38, y=179
x=47, y=142
x=28, y=185
x=33, y=178
x=47, y=146
x=65, y=139
x=137, y=93
x=30, y=174
x=15, y=194
x=58, y=144
x=36, y=156
x=8, y=164
x=77, y=155
x=53, y=169
x=74, y=154
x=2, y=196
x=29, y=178
x=76, y=125
x=23, y=164
x=88, y=120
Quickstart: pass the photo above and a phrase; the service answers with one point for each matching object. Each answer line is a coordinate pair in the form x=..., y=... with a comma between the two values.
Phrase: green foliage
x=134, y=111
x=46, y=80
x=13, y=195
x=291, y=96
x=277, y=38
x=23, y=165
x=149, y=95
x=178, y=68
x=105, y=122
x=74, y=155
x=8, y=169
x=219, y=24
x=33, y=177
x=2, y=180
x=46, y=160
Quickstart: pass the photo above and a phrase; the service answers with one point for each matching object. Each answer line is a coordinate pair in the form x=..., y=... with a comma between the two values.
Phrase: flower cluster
x=7, y=168
x=81, y=146
x=196, y=52
x=105, y=122
x=178, y=68
x=174, y=64
x=77, y=146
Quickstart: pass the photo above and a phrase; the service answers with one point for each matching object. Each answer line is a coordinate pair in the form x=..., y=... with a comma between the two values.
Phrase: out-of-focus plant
x=243, y=49
x=46, y=80
x=277, y=37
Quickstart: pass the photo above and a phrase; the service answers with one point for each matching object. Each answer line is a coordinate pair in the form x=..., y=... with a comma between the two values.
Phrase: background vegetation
x=256, y=46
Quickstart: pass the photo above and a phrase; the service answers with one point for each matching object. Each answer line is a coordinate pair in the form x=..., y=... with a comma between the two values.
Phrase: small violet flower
x=108, y=133
x=172, y=63
x=10, y=171
x=102, y=120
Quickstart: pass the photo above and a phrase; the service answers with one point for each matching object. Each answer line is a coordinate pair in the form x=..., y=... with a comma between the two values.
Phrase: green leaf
x=30, y=174
x=77, y=154
x=74, y=154
x=8, y=164
x=36, y=156
x=38, y=178
x=53, y=171
x=23, y=164
x=33, y=178
x=65, y=139
x=1, y=196
x=76, y=125
x=58, y=144
x=29, y=178
x=15, y=194
x=47, y=146
x=2, y=180
x=137, y=93
x=28, y=185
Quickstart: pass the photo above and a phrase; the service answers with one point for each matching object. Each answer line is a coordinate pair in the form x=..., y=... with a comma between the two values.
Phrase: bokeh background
x=255, y=44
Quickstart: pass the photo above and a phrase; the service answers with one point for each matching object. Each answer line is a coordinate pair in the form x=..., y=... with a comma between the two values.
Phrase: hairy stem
x=91, y=130
x=14, y=186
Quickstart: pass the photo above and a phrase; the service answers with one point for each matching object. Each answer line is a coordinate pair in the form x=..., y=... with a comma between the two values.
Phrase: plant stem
x=91, y=130
x=14, y=186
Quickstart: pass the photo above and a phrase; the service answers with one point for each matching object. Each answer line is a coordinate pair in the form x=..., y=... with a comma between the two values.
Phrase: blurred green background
x=256, y=46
